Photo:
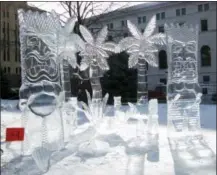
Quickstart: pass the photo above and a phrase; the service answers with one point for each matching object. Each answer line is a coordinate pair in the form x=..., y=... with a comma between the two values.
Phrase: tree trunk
x=142, y=86
x=66, y=80
x=95, y=82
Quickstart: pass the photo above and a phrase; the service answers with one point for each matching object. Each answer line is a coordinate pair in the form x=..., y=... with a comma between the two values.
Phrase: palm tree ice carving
x=70, y=44
x=94, y=57
x=142, y=48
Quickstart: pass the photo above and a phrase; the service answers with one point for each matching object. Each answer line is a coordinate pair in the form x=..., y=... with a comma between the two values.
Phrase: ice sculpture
x=192, y=156
x=41, y=93
x=153, y=130
x=117, y=106
x=142, y=48
x=145, y=141
x=94, y=111
x=183, y=92
x=94, y=57
x=70, y=117
x=69, y=44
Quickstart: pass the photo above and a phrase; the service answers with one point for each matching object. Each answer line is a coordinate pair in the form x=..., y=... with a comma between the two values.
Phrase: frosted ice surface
x=183, y=92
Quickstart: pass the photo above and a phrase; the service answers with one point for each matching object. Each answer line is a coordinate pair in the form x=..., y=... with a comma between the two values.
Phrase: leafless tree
x=88, y=13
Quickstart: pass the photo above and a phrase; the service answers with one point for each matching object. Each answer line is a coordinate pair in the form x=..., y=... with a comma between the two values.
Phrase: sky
x=48, y=6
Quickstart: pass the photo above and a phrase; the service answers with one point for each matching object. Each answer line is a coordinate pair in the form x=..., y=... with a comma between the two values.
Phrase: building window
x=177, y=12
x=206, y=78
x=163, y=15
x=200, y=8
x=110, y=38
x=162, y=59
x=206, y=7
x=16, y=70
x=161, y=29
x=204, y=25
x=205, y=54
x=158, y=16
x=8, y=14
x=163, y=80
x=203, y=7
x=183, y=11
x=204, y=90
x=139, y=20
x=9, y=70
x=144, y=19
x=122, y=23
x=111, y=25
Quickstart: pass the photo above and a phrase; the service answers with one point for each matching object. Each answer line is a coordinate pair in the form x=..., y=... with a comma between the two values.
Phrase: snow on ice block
x=14, y=134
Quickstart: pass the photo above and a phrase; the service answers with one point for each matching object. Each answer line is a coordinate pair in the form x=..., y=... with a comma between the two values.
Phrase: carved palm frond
x=133, y=60
x=96, y=48
x=134, y=30
x=70, y=43
x=86, y=35
x=126, y=43
x=158, y=39
x=102, y=36
x=149, y=30
x=89, y=109
x=143, y=45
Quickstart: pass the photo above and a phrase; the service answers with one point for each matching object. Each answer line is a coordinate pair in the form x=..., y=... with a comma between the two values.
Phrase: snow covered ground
x=113, y=158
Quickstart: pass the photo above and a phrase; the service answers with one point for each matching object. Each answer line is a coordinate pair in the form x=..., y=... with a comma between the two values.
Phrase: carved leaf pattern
x=126, y=43
x=96, y=49
x=79, y=44
x=86, y=34
x=102, y=35
x=159, y=39
x=150, y=27
x=69, y=26
x=150, y=58
x=109, y=46
x=134, y=30
x=133, y=60
x=142, y=44
x=103, y=64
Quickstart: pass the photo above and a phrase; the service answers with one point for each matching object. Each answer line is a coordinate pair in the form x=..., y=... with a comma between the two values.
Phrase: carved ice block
x=40, y=93
x=183, y=91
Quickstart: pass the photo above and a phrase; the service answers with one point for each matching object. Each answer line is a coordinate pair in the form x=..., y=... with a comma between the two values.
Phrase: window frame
x=206, y=79
x=205, y=63
x=204, y=7
x=162, y=65
x=183, y=10
x=139, y=20
x=163, y=15
x=200, y=8
x=201, y=25
x=144, y=19
x=178, y=12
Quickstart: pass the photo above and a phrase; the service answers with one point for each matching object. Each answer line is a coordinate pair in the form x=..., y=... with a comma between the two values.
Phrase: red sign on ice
x=14, y=134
